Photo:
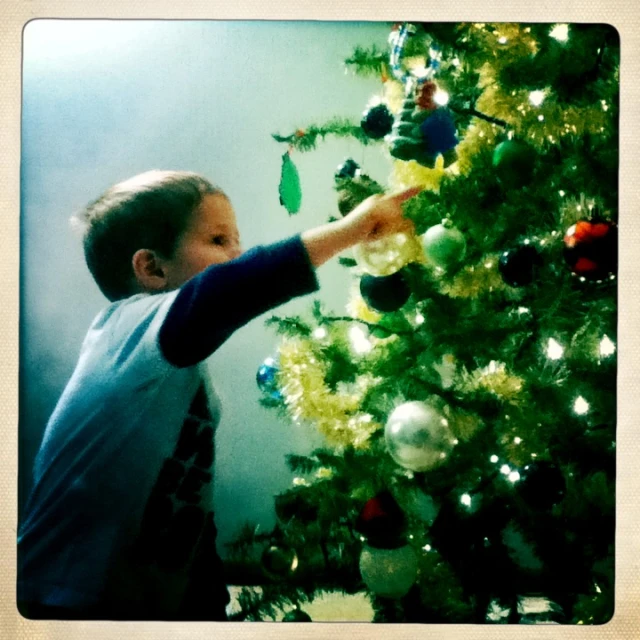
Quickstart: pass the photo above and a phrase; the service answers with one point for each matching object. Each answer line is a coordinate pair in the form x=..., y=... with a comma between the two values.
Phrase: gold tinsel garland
x=542, y=124
x=475, y=280
x=496, y=380
x=301, y=379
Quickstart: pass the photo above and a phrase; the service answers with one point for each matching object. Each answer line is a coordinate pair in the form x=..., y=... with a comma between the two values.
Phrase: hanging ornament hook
x=408, y=78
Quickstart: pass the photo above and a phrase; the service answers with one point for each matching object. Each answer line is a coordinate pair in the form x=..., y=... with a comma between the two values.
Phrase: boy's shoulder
x=134, y=309
x=126, y=326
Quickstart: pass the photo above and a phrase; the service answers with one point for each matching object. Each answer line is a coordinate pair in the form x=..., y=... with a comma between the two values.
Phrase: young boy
x=119, y=524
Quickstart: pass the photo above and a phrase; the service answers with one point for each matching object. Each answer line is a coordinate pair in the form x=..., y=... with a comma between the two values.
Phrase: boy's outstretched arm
x=224, y=297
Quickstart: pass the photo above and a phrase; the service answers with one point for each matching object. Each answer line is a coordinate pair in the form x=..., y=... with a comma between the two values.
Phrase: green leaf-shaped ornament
x=289, y=188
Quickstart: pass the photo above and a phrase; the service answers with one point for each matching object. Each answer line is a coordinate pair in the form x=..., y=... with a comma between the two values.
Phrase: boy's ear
x=148, y=270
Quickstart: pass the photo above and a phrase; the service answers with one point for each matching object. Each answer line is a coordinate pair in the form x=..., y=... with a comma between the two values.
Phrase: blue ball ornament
x=266, y=378
x=439, y=132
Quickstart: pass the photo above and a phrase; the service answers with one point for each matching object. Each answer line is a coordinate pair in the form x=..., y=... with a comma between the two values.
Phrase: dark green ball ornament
x=377, y=122
x=514, y=161
x=348, y=169
x=518, y=266
x=279, y=561
x=542, y=485
x=297, y=615
x=384, y=293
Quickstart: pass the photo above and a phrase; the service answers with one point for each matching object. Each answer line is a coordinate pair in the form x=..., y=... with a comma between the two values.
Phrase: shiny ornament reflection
x=418, y=436
x=387, y=255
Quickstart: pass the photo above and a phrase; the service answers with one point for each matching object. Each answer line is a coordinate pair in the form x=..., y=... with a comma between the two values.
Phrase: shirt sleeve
x=224, y=297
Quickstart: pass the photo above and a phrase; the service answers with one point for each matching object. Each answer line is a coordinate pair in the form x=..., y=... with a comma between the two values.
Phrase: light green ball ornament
x=444, y=245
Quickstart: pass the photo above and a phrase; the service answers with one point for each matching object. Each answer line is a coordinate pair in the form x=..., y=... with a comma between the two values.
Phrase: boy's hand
x=374, y=218
x=380, y=215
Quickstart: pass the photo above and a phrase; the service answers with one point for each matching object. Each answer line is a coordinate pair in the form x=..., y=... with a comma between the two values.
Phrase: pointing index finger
x=402, y=196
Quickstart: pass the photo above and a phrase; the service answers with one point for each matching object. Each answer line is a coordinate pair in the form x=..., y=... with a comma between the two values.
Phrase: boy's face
x=211, y=237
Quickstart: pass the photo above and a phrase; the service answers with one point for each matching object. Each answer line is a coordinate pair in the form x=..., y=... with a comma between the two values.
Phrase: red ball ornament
x=591, y=248
x=425, y=94
x=382, y=521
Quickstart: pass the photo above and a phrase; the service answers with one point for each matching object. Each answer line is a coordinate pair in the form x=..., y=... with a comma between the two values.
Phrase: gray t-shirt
x=129, y=450
x=120, y=521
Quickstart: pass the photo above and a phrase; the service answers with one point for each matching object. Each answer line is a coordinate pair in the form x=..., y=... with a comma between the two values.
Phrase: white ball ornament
x=389, y=573
x=444, y=245
x=387, y=255
x=418, y=436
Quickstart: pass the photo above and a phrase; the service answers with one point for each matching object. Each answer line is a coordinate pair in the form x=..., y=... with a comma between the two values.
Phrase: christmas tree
x=467, y=396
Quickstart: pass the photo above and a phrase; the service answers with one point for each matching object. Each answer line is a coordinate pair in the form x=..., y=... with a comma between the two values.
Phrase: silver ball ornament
x=418, y=436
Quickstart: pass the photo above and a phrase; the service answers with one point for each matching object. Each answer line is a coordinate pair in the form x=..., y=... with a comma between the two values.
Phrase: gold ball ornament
x=389, y=573
x=389, y=254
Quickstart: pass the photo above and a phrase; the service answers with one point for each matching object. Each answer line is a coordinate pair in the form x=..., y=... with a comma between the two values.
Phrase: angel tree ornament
x=424, y=128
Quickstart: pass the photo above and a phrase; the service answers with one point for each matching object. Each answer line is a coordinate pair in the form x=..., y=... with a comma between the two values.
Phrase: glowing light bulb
x=536, y=98
x=581, y=406
x=455, y=62
x=541, y=117
x=505, y=469
x=465, y=499
x=359, y=340
x=427, y=547
x=502, y=40
x=517, y=440
x=494, y=458
x=554, y=350
x=607, y=347
x=514, y=476
x=320, y=333
x=522, y=310
x=560, y=32
x=419, y=318
x=441, y=97
x=562, y=193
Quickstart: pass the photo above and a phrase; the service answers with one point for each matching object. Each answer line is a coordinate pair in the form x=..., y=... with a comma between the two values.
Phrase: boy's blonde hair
x=149, y=211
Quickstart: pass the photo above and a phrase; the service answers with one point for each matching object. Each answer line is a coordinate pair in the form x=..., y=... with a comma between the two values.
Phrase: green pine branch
x=308, y=138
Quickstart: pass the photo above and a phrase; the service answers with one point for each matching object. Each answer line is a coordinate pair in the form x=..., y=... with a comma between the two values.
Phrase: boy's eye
x=219, y=240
